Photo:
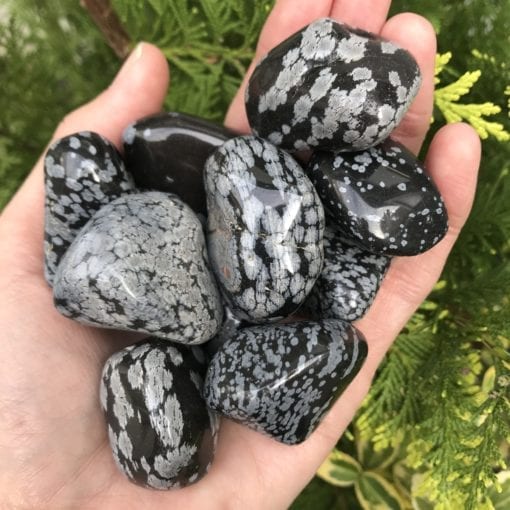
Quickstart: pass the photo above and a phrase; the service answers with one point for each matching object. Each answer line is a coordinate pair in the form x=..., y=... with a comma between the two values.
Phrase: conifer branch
x=105, y=17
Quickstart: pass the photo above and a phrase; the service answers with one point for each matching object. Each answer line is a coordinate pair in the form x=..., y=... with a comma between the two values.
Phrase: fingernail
x=130, y=62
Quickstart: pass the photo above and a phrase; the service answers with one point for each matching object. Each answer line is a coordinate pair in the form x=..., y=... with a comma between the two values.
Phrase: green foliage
x=434, y=430
x=446, y=99
x=48, y=56
x=209, y=45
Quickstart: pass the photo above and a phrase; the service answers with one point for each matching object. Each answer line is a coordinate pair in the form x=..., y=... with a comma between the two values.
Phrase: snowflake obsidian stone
x=381, y=199
x=331, y=87
x=167, y=152
x=83, y=172
x=265, y=228
x=160, y=431
x=282, y=379
x=349, y=280
x=141, y=264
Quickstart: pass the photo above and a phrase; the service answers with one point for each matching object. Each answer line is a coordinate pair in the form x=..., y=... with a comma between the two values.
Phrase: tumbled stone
x=349, y=280
x=83, y=172
x=282, y=379
x=381, y=199
x=161, y=433
x=265, y=228
x=331, y=87
x=167, y=152
x=141, y=264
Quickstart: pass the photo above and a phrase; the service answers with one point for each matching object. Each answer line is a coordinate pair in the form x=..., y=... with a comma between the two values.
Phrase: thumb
x=138, y=90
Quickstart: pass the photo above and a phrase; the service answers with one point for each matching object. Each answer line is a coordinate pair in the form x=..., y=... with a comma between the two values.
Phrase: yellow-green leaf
x=340, y=469
x=441, y=60
x=500, y=494
x=489, y=379
x=376, y=493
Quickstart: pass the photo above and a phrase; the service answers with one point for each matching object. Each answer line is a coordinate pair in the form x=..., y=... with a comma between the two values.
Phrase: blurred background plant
x=433, y=432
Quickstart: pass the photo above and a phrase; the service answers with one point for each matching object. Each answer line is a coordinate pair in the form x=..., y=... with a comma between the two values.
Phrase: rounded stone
x=161, y=433
x=380, y=199
x=282, y=379
x=82, y=172
x=141, y=264
x=331, y=87
x=349, y=280
x=167, y=152
x=265, y=227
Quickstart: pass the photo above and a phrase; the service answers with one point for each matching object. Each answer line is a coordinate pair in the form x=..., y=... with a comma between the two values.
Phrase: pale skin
x=54, y=451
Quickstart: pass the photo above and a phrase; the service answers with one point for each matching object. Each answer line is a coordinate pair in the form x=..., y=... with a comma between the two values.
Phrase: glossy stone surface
x=332, y=87
x=167, y=152
x=349, y=280
x=161, y=433
x=282, y=379
x=141, y=264
x=83, y=172
x=265, y=228
x=381, y=199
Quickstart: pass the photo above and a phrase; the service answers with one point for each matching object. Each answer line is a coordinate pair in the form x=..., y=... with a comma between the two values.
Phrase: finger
x=286, y=18
x=417, y=35
x=369, y=15
x=138, y=90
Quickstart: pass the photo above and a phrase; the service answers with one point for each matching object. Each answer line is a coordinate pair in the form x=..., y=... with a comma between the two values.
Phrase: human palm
x=54, y=450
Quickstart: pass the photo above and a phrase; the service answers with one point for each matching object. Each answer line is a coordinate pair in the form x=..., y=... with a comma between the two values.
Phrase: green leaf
x=446, y=99
x=375, y=458
x=376, y=493
x=340, y=469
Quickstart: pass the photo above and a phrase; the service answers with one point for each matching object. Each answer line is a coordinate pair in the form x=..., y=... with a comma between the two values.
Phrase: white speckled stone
x=141, y=264
x=265, y=227
x=349, y=280
x=332, y=87
x=82, y=172
x=282, y=379
x=161, y=433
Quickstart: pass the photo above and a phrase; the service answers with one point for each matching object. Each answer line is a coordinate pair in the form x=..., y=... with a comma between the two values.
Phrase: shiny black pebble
x=82, y=172
x=161, y=433
x=381, y=199
x=282, y=379
x=167, y=152
x=349, y=280
x=331, y=87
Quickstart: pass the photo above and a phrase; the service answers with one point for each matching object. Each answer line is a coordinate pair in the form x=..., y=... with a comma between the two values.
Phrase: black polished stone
x=161, y=433
x=349, y=280
x=381, y=199
x=265, y=228
x=282, y=379
x=331, y=87
x=82, y=172
x=167, y=152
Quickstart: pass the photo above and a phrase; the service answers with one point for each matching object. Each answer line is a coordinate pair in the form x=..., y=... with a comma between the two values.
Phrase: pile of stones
x=207, y=242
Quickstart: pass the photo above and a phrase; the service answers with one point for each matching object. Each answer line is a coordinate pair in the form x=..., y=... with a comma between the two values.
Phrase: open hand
x=54, y=450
